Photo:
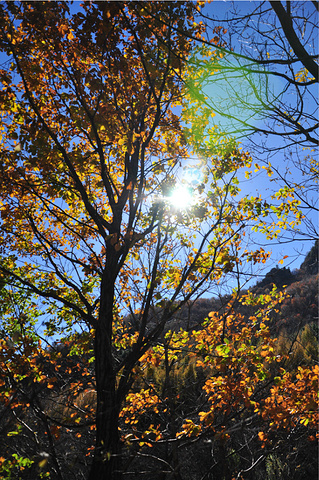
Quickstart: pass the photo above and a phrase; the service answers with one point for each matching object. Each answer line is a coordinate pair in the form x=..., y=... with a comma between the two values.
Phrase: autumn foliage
x=96, y=261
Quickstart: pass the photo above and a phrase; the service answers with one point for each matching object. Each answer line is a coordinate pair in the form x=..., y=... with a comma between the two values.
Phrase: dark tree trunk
x=107, y=460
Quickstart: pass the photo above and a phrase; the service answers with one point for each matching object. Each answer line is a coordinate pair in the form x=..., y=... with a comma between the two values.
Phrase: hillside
x=300, y=308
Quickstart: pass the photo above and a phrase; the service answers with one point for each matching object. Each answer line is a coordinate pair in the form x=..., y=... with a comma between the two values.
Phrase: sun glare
x=181, y=197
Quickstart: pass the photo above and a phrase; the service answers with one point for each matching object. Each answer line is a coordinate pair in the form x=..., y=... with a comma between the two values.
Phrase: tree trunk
x=106, y=464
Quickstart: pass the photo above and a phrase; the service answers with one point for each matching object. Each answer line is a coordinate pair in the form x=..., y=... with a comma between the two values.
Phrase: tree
x=91, y=149
x=261, y=83
x=258, y=45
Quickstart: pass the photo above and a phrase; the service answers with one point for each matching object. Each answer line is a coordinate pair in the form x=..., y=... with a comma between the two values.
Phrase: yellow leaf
x=43, y=463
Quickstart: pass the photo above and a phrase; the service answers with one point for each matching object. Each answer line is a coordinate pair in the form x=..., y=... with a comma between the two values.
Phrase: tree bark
x=106, y=464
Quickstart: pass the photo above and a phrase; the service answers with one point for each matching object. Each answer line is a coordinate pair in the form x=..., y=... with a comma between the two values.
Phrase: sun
x=181, y=197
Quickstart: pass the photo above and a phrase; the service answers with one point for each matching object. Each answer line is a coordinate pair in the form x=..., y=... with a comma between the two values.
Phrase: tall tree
x=91, y=150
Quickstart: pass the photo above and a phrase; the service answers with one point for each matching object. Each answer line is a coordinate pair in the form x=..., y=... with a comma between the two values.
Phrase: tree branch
x=287, y=26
